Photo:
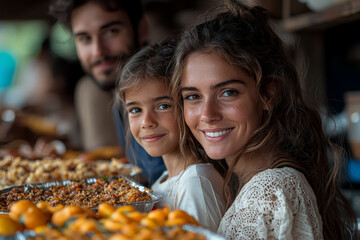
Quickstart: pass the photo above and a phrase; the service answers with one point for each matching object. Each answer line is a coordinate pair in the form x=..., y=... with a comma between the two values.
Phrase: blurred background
x=39, y=68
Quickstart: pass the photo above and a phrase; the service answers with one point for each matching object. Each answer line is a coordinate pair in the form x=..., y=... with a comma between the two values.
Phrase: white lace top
x=274, y=204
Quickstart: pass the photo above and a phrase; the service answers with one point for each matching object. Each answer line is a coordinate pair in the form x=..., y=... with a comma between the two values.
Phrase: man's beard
x=109, y=85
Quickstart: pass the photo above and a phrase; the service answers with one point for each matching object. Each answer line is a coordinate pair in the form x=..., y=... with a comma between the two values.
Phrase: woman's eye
x=191, y=97
x=134, y=110
x=229, y=93
x=164, y=106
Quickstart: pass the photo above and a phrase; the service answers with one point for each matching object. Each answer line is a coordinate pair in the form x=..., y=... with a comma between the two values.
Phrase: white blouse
x=198, y=190
x=274, y=204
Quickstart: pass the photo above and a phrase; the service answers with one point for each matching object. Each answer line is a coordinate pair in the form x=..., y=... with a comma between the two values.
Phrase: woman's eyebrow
x=231, y=81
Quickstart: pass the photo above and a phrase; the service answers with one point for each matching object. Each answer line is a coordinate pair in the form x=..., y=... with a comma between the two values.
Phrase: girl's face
x=221, y=104
x=151, y=117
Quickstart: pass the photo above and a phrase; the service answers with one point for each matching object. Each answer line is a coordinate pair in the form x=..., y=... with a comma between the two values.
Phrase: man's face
x=103, y=40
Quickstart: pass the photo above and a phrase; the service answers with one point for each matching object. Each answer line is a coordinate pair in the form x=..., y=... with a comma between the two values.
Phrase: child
x=242, y=101
x=189, y=183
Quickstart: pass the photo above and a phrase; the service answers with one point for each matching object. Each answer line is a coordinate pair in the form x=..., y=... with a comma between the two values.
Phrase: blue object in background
x=353, y=167
x=7, y=69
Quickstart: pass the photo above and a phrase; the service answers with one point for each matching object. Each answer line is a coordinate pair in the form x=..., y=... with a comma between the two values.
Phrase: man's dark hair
x=62, y=9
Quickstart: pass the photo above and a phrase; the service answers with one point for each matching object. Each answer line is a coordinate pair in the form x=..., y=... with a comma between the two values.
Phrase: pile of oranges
x=70, y=222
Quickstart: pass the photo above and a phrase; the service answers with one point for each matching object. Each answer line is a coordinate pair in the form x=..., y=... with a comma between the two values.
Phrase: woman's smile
x=221, y=105
x=215, y=135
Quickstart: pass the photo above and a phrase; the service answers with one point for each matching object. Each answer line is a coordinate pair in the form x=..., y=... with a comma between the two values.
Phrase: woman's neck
x=249, y=166
x=175, y=162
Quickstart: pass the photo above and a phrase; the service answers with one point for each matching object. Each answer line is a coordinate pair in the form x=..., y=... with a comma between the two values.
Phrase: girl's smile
x=151, y=117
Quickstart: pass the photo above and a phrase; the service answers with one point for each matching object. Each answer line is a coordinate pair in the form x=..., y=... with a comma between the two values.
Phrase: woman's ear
x=143, y=31
x=269, y=94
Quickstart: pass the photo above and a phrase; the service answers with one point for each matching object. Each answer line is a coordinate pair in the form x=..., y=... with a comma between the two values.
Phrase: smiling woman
x=222, y=107
x=239, y=98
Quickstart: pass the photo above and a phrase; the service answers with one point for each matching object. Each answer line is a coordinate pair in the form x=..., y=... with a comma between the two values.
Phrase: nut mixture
x=17, y=171
x=78, y=193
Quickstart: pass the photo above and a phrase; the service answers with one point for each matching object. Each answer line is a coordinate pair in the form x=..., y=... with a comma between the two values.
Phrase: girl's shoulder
x=206, y=170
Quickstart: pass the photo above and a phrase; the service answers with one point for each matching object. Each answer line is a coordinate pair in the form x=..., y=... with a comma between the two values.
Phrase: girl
x=189, y=183
x=241, y=100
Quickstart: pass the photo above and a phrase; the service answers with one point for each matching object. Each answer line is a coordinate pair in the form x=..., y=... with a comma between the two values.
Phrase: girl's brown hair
x=244, y=38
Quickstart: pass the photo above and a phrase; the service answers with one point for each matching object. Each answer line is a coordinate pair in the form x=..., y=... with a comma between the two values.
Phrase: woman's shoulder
x=278, y=176
x=285, y=181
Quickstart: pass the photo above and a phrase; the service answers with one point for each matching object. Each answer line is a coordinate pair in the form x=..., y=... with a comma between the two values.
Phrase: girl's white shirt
x=198, y=190
x=274, y=204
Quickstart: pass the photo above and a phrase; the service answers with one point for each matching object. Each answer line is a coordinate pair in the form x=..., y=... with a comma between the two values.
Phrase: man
x=106, y=33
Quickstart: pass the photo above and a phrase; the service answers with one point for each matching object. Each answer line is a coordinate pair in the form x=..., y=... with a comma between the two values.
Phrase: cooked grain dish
x=78, y=193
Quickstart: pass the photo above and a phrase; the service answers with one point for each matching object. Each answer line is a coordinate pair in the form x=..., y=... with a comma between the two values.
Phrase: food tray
x=144, y=206
x=206, y=232
x=19, y=235
x=16, y=171
x=191, y=228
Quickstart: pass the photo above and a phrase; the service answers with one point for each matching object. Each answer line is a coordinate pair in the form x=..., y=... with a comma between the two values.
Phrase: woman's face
x=221, y=104
x=151, y=117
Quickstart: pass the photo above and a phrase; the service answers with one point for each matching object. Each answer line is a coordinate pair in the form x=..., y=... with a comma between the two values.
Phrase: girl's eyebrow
x=130, y=104
x=153, y=100
x=222, y=84
x=161, y=98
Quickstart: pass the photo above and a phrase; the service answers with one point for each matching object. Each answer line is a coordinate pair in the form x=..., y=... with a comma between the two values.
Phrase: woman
x=241, y=100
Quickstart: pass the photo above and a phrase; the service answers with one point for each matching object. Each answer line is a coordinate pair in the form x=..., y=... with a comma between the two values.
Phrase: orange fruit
x=177, y=214
x=119, y=216
x=148, y=222
x=19, y=208
x=126, y=208
x=61, y=216
x=112, y=225
x=158, y=215
x=8, y=225
x=177, y=221
x=135, y=216
x=33, y=218
x=105, y=209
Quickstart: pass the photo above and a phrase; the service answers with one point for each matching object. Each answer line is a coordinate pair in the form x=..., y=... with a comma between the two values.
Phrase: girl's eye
x=229, y=93
x=191, y=97
x=134, y=110
x=164, y=106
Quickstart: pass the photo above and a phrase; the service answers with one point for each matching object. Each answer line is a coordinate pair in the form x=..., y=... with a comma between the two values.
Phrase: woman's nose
x=210, y=111
x=148, y=121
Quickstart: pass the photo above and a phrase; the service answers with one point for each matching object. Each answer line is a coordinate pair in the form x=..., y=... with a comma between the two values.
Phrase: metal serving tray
x=206, y=232
x=144, y=206
x=191, y=228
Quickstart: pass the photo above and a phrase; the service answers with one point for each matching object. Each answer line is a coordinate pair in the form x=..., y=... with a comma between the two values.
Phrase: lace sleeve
x=273, y=205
